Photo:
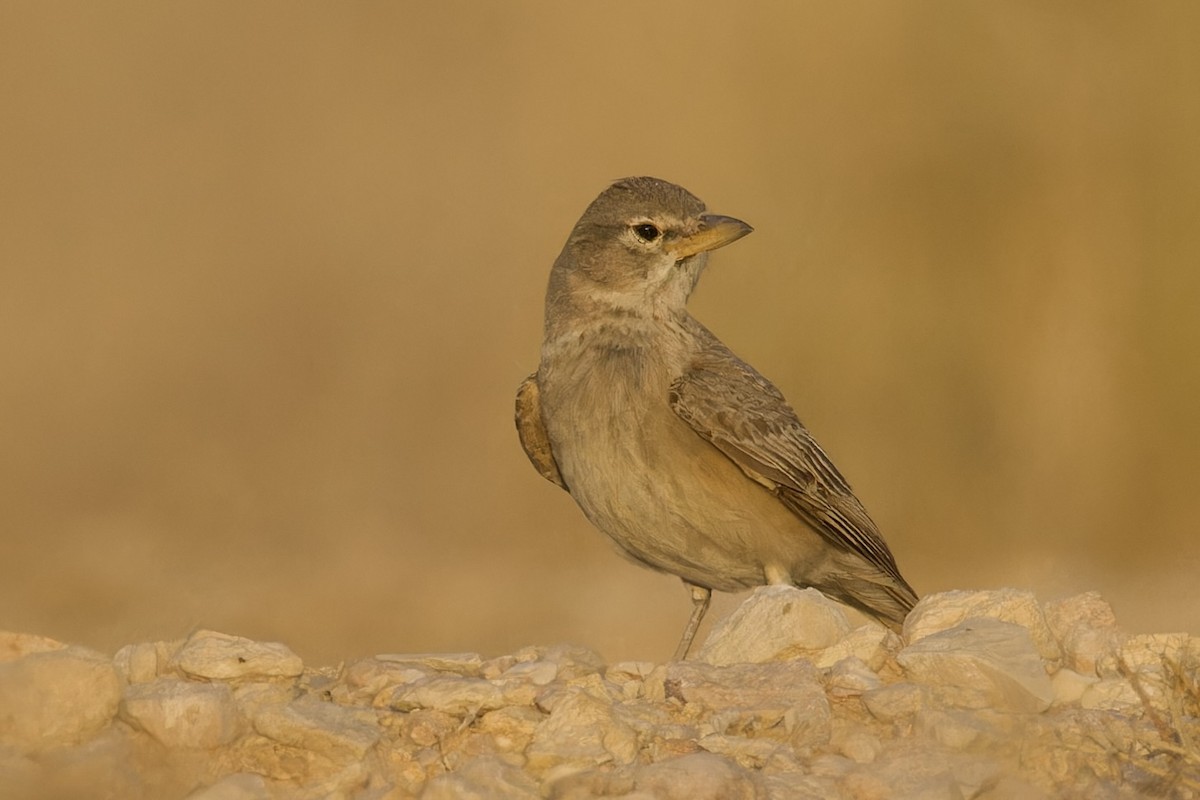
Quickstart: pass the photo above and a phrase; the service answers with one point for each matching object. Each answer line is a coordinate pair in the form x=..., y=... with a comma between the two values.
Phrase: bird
x=689, y=459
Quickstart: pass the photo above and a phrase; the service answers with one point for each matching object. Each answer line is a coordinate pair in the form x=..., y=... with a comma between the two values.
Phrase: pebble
x=990, y=695
x=219, y=656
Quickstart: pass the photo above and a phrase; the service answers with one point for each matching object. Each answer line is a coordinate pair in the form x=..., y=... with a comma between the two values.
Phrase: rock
x=896, y=701
x=701, y=776
x=465, y=664
x=872, y=644
x=538, y=673
x=363, y=681
x=1110, y=694
x=851, y=677
x=453, y=695
x=219, y=656
x=52, y=697
x=572, y=661
x=775, y=622
x=1069, y=686
x=856, y=742
x=981, y=662
x=581, y=731
x=181, y=713
x=748, y=697
x=342, y=734
x=486, y=778
x=1157, y=652
x=940, y=612
x=15, y=646
x=1086, y=630
x=240, y=786
x=960, y=712
x=511, y=728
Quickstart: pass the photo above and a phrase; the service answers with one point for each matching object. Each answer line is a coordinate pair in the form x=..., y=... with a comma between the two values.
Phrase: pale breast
x=667, y=497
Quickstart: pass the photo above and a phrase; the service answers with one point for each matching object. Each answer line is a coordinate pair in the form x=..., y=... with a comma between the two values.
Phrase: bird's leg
x=700, y=598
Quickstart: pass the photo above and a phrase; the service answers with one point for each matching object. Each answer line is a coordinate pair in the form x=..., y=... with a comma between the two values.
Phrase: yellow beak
x=715, y=231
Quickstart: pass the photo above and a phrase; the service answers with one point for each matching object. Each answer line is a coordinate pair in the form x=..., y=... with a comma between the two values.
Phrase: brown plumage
x=689, y=459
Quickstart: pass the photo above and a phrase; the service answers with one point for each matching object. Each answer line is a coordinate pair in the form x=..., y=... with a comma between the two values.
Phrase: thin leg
x=700, y=598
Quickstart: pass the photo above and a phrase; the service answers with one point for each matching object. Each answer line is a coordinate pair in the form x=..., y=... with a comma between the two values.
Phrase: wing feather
x=532, y=431
x=739, y=411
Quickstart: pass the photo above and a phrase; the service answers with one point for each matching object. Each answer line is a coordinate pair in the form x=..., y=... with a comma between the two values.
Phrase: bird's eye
x=647, y=232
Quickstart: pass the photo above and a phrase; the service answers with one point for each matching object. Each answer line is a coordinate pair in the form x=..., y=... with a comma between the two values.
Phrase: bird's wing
x=739, y=411
x=532, y=431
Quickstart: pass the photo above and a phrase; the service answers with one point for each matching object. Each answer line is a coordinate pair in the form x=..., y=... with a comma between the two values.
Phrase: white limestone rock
x=14, y=646
x=452, y=694
x=748, y=697
x=896, y=701
x=851, y=677
x=1069, y=686
x=1087, y=632
x=219, y=656
x=483, y=778
x=184, y=714
x=775, y=622
x=581, y=731
x=945, y=610
x=50, y=697
x=701, y=776
x=981, y=661
x=465, y=664
x=872, y=644
x=239, y=786
x=336, y=732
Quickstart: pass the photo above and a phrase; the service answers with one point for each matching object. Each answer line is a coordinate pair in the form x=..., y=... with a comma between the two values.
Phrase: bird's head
x=640, y=248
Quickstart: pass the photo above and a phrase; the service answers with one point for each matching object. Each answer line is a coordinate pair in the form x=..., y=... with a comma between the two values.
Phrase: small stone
x=240, y=786
x=573, y=661
x=14, y=646
x=872, y=644
x=538, y=673
x=219, y=656
x=363, y=680
x=483, y=778
x=466, y=664
x=993, y=660
x=1110, y=694
x=512, y=727
x=427, y=727
x=857, y=743
x=1086, y=630
x=581, y=731
x=746, y=751
x=495, y=667
x=952, y=728
x=1069, y=686
x=701, y=776
x=55, y=696
x=940, y=612
x=626, y=671
x=775, y=622
x=137, y=663
x=1151, y=651
x=454, y=695
x=741, y=698
x=342, y=734
x=851, y=677
x=895, y=701
x=182, y=713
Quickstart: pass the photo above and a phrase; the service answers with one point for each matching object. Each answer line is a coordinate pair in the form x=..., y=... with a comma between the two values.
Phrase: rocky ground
x=985, y=695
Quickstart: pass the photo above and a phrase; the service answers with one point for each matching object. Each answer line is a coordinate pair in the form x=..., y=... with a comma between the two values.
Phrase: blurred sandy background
x=271, y=274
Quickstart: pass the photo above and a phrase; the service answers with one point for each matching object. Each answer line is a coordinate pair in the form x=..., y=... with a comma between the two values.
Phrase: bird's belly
x=667, y=497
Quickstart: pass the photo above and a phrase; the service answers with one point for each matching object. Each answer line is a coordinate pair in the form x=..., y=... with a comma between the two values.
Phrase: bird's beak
x=715, y=231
